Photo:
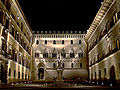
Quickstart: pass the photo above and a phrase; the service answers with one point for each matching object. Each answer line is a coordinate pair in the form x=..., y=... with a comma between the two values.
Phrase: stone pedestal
x=59, y=75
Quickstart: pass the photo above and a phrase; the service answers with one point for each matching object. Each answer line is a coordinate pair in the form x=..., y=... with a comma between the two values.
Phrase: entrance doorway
x=112, y=76
x=41, y=73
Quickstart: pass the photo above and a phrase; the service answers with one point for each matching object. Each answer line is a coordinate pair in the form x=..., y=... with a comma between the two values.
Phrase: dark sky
x=60, y=14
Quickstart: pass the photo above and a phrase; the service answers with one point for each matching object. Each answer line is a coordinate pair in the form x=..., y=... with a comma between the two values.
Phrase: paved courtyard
x=23, y=86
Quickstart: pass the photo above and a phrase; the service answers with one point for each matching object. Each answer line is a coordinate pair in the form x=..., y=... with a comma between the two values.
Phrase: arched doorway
x=112, y=76
x=41, y=73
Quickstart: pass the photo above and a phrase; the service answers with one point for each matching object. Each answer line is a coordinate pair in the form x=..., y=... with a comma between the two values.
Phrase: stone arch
x=40, y=71
x=112, y=75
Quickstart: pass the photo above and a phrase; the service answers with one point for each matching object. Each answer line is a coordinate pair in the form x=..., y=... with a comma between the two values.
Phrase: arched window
x=63, y=65
x=71, y=41
x=54, y=53
x=54, y=65
x=45, y=55
x=72, y=55
x=79, y=41
x=71, y=65
x=63, y=53
x=80, y=54
x=63, y=42
x=45, y=41
x=54, y=42
x=37, y=42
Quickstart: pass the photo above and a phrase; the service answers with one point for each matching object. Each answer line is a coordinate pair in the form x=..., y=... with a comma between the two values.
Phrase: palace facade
x=15, y=43
x=103, y=40
x=59, y=55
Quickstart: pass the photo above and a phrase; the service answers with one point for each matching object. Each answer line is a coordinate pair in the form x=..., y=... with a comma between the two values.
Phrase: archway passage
x=112, y=76
x=41, y=73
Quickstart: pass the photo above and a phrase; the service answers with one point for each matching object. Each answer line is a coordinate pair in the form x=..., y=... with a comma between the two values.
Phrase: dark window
x=45, y=41
x=22, y=75
x=54, y=65
x=72, y=65
x=19, y=75
x=118, y=15
x=63, y=42
x=8, y=6
x=54, y=42
x=14, y=73
x=99, y=73
x=80, y=65
x=54, y=55
x=80, y=55
x=37, y=42
x=105, y=71
x=79, y=41
x=21, y=26
x=63, y=65
x=7, y=24
x=9, y=72
x=45, y=55
x=63, y=55
x=72, y=55
x=71, y=41
x=1, y=17
x=95, y=75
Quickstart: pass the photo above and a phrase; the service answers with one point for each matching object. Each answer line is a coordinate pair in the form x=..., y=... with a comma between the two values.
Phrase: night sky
x=60, y=14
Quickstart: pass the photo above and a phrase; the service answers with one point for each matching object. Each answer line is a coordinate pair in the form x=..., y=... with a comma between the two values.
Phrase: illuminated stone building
x=103, y=39
x=59, y=56
x=15, y=43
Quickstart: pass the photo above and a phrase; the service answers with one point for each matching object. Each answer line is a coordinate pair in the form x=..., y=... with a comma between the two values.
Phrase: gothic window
x=99, y=73
x=45, y=41
x=54, y=42
x=80, y=65
x=14, y=73
x=18, y=75
x=63, y=42
x=80, y=54
x=63, y=55
x=71, y=65
x=1, y=17
x=7, y=24
x=63, y=65
x=71, y=41
x=105, y=71
x=118, y=15
x=36, y=55
x=37, y=42
x=80, y=42
x=72, y=55
x=9, y=72
x=54, y=55
x=54, y=65
x=45, y=55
